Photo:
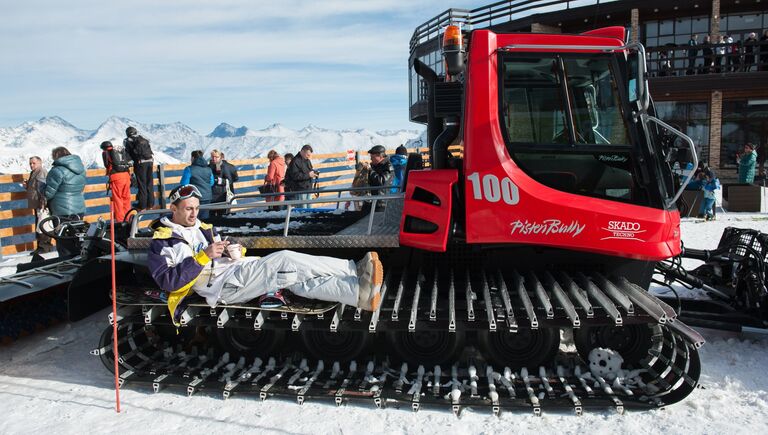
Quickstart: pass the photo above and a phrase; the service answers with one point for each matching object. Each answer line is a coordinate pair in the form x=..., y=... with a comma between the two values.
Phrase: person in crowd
x=663, y=64
x=141, y=152
x=747, y=162
x=750, y=47
x=398, y=161
x=35, y=186
x=763, y=66
x=709, y=184
x=275, y=176
x=362, y=169
x=187, y=255
x=224, y=176
x=64, y=188
x=708, y=54
x=719, y=53
x=300, y=175
x=199, y=175
x=381, y=173
x=732, y=53
x=698, y=176
x=693, y=51
x=117, y=164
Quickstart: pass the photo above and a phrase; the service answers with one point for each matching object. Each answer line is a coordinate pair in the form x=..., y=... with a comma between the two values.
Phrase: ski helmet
x=131, y=131
x=106, y=145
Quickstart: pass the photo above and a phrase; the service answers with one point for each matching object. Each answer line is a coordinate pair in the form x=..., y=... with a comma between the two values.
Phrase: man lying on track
x=187, y=254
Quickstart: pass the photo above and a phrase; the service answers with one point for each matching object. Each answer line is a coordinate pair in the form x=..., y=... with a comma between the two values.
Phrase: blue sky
x=332, y=63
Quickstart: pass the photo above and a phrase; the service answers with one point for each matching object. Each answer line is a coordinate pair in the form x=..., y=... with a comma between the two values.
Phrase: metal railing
x=425, y=38
x=338, y=190
x=679, y=60
x=494, y=13
x=290, y=205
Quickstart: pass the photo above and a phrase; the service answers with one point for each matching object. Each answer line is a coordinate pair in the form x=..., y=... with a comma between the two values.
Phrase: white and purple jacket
x=178, y=263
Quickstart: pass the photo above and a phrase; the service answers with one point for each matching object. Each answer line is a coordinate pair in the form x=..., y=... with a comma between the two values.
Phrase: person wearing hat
x=187, y=255
x=398, y=161
x=747, y=162
x=381, y=173
x=141, y=152
x=117, y=164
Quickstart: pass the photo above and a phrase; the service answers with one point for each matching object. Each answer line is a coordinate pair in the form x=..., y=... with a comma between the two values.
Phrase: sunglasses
x=184, y=192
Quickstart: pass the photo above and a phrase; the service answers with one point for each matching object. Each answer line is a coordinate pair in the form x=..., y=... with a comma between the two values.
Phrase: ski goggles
x=184, y=192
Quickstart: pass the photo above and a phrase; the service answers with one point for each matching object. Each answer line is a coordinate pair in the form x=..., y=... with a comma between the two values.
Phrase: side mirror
x=636, y=76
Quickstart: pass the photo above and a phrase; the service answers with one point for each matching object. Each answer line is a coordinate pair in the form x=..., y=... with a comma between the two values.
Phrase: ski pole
x=114, y=303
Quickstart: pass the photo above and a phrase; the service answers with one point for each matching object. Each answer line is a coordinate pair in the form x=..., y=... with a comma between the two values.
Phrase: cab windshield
x=565, y=125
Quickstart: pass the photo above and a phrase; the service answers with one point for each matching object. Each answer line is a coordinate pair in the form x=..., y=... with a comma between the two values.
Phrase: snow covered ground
x=49, y=383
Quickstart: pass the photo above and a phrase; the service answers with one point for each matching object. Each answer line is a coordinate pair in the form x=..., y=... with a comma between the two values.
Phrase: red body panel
x=542, y=215
x=616, y=32
x=440, y=184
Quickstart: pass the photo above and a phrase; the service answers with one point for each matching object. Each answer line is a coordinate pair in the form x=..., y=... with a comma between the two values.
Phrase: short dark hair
x=403, y=151
x=288, y=156
x=750, y=144
x=196, y=154
x=307, y=147
x=60, y=152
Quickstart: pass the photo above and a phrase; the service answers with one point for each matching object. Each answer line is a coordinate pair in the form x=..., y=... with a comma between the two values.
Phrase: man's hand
x=312, y=174
x=216, y=249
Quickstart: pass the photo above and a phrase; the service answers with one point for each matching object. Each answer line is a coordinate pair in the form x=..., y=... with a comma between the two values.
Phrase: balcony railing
x=689, y=60
x=493, y=14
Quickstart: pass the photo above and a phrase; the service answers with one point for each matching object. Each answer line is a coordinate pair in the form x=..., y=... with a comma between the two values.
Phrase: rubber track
x=672, y=368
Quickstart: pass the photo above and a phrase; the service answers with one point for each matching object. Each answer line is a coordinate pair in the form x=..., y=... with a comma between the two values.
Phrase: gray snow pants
x=309, y=276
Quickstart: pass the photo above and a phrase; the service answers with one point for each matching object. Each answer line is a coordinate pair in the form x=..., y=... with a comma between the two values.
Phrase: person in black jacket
x=693, y=51
x=749, y=51
x=763, y=66
x=224, y=176
x=300, y=175
x=141, y=154
x=381, y=173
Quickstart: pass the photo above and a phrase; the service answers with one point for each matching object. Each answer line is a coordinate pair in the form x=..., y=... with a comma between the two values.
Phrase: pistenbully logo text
x=547, y=227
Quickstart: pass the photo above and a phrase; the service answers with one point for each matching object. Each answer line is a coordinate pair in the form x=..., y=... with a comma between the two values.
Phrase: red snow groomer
x=516, y=266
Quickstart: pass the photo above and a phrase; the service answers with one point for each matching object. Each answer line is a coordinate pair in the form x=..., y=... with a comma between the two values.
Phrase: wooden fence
x=17, y=220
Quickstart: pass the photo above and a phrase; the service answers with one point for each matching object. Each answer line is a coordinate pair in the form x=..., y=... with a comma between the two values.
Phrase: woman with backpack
x=117, y=163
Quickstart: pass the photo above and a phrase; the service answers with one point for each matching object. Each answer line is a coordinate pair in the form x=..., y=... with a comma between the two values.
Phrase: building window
x=743, y=121
x=739, y=26
x=675, y=34
x=692, y=118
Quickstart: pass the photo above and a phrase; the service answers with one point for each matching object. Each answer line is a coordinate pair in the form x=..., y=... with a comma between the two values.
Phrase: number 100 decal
x=493, y=190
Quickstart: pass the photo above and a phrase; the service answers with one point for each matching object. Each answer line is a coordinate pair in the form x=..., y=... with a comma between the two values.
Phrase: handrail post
x=161, y=184
x=287, y=220
x=370, y=216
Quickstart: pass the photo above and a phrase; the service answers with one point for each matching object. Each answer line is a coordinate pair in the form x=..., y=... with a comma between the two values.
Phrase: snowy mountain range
x=172, y=143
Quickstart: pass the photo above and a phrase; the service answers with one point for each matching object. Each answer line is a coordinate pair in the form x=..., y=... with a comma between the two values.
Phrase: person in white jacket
x=187, y=255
